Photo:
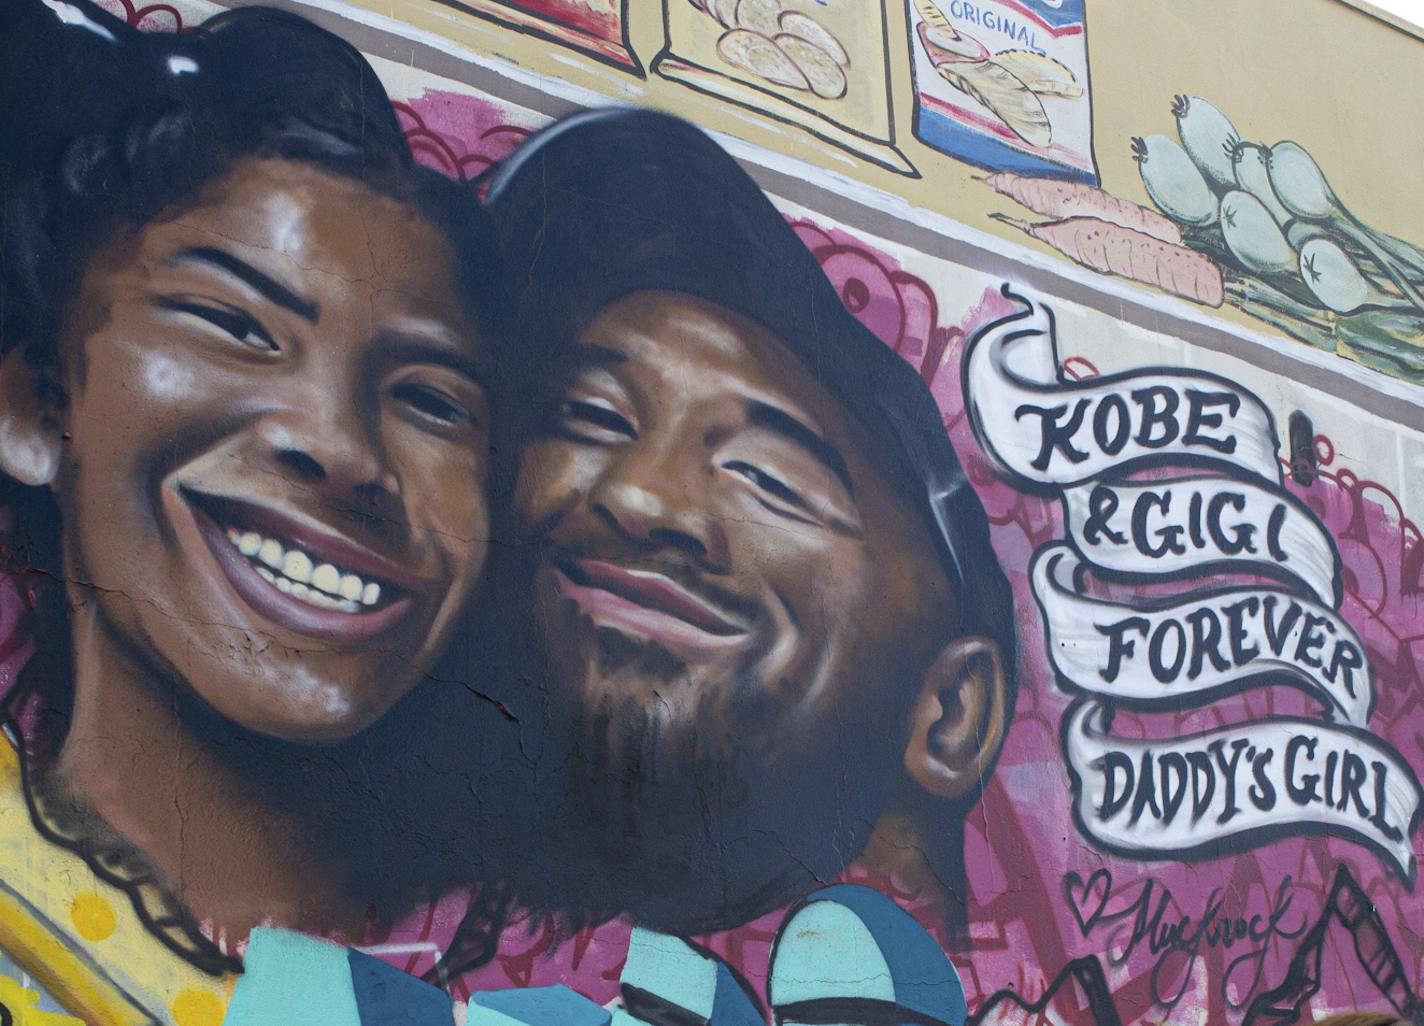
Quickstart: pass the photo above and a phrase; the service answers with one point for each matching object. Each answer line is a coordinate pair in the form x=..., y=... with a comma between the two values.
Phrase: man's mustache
x=683, y=572
x=556, y=541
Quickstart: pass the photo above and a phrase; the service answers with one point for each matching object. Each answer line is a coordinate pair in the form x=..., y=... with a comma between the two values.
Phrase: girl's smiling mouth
x=300, y=577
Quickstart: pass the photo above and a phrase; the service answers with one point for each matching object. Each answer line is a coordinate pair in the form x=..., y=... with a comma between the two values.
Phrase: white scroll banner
x=1199, y=647
x=1046, y=430
x=1237, y=788
x=1190, y=526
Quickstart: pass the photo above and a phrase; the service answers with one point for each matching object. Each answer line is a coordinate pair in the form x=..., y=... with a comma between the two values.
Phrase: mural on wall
x=462, y=568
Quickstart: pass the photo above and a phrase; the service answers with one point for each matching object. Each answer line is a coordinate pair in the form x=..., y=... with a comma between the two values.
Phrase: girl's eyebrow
x=270, y=288
x=422, y=348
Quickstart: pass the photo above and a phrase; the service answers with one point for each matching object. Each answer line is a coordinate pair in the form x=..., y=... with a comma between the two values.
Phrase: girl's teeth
x=327, y=578
x=323, y=584
x=297, y=565
x=270, y=553
x=351, y=588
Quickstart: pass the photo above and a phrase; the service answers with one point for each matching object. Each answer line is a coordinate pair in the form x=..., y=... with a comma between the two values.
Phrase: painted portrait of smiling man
x=768, y=607
x=245, y=372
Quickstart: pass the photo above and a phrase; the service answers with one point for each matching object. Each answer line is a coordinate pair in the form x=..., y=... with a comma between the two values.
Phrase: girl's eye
x=768, y=483
x=432, y=403
x=593, y=421
x=242, y=326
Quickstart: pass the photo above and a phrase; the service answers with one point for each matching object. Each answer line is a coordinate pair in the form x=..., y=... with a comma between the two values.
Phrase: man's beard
x=693, y=805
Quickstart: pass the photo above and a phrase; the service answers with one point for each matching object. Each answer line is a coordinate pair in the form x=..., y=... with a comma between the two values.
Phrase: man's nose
x=330, y=447
x=664, y=503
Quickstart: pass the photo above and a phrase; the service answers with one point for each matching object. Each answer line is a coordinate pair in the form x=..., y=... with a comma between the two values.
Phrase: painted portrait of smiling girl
x=246, y=354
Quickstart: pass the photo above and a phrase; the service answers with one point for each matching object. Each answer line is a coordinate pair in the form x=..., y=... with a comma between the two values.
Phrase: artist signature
x=1146, y=915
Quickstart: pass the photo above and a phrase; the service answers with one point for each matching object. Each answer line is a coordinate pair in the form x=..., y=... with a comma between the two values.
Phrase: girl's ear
x=31, y=434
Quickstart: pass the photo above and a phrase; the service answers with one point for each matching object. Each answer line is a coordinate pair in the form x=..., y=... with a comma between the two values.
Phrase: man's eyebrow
x=242, y=270
x=591, y=354
x=778, y=420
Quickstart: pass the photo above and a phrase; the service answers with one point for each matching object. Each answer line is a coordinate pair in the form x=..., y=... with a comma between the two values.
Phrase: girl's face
x=277, y=439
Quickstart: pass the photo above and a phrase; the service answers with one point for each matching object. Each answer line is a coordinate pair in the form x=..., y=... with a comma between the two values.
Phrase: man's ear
x=31, y=435
x=959, y=718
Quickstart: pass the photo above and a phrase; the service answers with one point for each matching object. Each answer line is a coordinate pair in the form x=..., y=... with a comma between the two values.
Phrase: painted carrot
x=1112, y=249
x=1058, y=199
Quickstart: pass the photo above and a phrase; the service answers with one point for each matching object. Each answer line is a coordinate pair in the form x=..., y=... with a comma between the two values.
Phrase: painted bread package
x=1005, y=85
x=820, y=65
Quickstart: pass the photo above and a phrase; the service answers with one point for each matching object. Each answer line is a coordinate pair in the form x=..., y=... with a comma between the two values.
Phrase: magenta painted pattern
x=460, y=136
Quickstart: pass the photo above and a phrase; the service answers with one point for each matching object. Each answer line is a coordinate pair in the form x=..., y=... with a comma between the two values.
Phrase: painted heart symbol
x=1083, y=896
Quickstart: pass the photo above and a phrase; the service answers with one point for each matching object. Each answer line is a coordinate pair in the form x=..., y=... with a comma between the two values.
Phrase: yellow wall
x=1342, y=83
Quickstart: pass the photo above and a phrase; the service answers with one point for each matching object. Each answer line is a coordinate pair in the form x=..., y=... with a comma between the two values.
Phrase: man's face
x=277, y=446
x=729, y=594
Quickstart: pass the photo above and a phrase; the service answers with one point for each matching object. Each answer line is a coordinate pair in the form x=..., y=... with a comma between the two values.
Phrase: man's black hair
x=103, y=129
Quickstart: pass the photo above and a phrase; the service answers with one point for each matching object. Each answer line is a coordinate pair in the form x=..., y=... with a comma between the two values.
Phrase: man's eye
x=432, y=403
x=242, y=326
x=593, y=421
x=768, y=483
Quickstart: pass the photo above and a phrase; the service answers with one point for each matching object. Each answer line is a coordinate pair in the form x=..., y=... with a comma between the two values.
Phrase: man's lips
x=645, y=603
x=217, y=517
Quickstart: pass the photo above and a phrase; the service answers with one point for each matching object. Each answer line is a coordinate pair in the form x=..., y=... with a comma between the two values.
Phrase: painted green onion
x=1333, y=277
x=1173, y=181
x=1253, y=235
x=1304, y=191
x=1209, y=138
x=1249, y=161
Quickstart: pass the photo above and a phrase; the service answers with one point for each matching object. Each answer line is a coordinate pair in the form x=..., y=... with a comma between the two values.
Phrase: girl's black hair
x=104, y=129
x=142, y=123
